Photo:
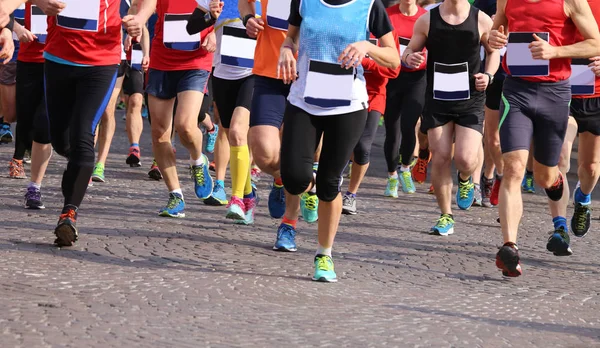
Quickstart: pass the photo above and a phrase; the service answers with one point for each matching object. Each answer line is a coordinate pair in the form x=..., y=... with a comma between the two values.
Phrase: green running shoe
x=98, y=173
x=309, y=206
x=392, y=188
x=408, y=186
x=324, y=269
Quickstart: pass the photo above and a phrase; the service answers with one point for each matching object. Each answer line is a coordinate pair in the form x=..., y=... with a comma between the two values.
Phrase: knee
x=466, y=163
x=135, y=102
x=296, y=181
x=564, y=162
x=160, y=133
x=513, y=170
x=185, y=133
x=361, y=154
x=544, y=178
x=492, y=140
x=440, y=158
x=590, y=168
x=328, y=187
x=237, y=138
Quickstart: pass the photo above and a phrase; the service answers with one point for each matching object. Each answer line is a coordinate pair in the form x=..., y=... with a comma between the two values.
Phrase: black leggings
x=76, y=98
x=301, y=135
x=362, y=151
x=404, y=105
x=32, y=123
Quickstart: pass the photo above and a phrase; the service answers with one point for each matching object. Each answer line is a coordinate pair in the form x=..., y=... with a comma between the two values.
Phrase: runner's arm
x=145, y=43
x=246, y=7
x=419, y=37
x=581, y=14
x=371, y=65
x=146, y=9
x=492, y=61
x=500, y=17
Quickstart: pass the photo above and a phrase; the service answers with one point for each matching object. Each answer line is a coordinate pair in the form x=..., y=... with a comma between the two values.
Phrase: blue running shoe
x=203, y=182
x=324, y=269
x=175, y=207
x=6, y=135
x=527, y=184
x=286, y=238
x=144, y=111
x=408, y=186
x=218, y=197
x=558, y=243
x=309, y=206
x=212, y=139
x=465, y=194
x=391, y=190
x=444, y=226
x=277, y=201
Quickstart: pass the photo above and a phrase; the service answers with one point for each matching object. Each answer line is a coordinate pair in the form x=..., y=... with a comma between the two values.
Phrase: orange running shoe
x=16, y=169
x=431, y=190
x=419, y=171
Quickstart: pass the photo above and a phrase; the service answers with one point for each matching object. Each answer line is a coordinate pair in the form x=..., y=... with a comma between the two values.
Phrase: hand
x=286, y=67
x=498, y=39
x=210, y=42
x=50, y=7
x=415, y=59
x=133, y=25
x=481, y=82
x=8, y=46
x=145, y=64
x=23, y=34
x=127, y=43
x=215, y=8
x=541, y=49
x=353, y=55
x=253, y=26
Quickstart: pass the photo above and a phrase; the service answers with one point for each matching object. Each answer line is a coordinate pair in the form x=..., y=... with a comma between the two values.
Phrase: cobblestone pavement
x=140, y=280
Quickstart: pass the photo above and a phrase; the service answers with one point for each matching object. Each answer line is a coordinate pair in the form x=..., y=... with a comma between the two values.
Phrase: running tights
x=362, y=151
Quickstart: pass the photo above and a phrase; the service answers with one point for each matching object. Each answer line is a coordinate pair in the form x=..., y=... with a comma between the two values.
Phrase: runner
x=328, y=98
x=453, y=34
x=535, y=107
x=8, y=76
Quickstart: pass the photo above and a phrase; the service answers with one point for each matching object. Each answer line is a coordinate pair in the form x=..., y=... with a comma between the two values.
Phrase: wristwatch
x=490, y=76
x=247, y=18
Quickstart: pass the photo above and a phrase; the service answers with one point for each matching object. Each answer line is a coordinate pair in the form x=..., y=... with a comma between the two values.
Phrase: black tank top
x=454, y=44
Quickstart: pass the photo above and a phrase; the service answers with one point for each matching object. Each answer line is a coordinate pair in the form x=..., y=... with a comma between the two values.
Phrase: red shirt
x=179, y=51
x=377, y=78
x=595, y=6
x=403, y=25
x=547, y=16
x=33, y=52
x=83, y=36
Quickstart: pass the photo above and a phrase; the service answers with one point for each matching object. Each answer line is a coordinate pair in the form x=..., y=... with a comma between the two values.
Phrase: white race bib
x=451, y=82
x=519, y=59
x=80, y=15
x=237, y=49
x=175, y=35
x=278, y=12
x=403, y=44
x=39, y=24
x=136, y=57
x=583, y=80
x=328, y=85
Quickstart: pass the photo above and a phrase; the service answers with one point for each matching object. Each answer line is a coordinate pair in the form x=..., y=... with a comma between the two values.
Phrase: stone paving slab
x=139, y=280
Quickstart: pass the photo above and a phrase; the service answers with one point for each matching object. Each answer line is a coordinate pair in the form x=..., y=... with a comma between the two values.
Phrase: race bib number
x=237, y=49
x=583, y=80
x=328, y=85
x=80, y=15
x=278, y=12
x=519, y=59
x=39, y=24
x=451, y=82
x=175, y=35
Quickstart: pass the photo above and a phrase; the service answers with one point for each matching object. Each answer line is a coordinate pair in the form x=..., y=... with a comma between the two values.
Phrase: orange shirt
x=268, y=43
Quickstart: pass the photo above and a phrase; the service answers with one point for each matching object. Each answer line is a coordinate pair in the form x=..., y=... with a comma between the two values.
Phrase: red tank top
x=403, y=26
x=82, y=35
x=542, y=16
x=172, y=47
x=33, y=52
x=595, y=6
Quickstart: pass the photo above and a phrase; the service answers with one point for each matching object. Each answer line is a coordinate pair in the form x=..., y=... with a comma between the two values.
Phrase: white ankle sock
x=323, y=251
x=198, y=162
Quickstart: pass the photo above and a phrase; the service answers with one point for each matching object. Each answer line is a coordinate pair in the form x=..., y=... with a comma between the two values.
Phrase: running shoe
x=444, y=226
x=16, y=170
x=477, y=196
x=98, y=173
x=249, y=205
x=391, y=189
x=6, y=135
x=154, y=172
x=349, y=204
x=175, y=207
x=431, y=190
x=144, y=111
x=203, y=182
x=33, y=199
x=121, y=105
x=212, y=167
x=580, y=223
x=381, y=121
x=465, y=194
x=27, y=157
x=309, y=206
x=66, y=230
x=556, y=191
x=255, y=174
x=236, y=209
x=134, y=157
x=486, y=193
x=412, y=163
x=408, y=186
x=496, y=191
x=507, y=259
x=419, y=171
x=286, y=238
x=276, y=201
x=558, y=243
x=212, y=139
x=218, y=197
x=324, y=269
x=527, y=184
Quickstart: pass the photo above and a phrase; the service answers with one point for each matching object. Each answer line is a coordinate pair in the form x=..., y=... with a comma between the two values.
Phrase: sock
x=34, y=185
x=461, y=179
x=178, y=191
x=528, y=173
x=278, y=182
x=134, y=145
x=315, y=166
x=582, y=198
x=212, y=130
x=348, y=193
x=424, y=154
x=239, y=166
x=404, y=168
x=220, y=183
x=323, y=251
x=560, y=221
x=499, y=177
x=248, y=192
x=395, y=176
x=200, y=161
x=289, y=222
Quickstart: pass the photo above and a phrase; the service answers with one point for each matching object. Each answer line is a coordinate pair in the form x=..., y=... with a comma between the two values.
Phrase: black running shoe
x=580, y=223
x=66, y=230
x=558, y=243
x=507, y=259
x=555, y=192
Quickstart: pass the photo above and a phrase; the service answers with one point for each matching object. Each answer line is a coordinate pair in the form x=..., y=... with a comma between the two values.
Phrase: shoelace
x=580, y=217
x=324, y=263
x=464, y=189
x=444, y=221
x=285, y=232
x=33, y=194
x=529, y=182
x=70, y=214
x=406, y=180
x=173, y=201
x=346, y=200
x=311, y=202
x=198, y=173
x=421, y=166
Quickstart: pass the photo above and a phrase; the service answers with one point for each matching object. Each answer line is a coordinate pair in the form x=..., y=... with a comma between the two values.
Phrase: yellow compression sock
x=240, y=169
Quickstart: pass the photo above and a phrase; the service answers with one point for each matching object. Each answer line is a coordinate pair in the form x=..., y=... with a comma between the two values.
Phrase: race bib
x=403, y=44
x=451, y=82
x=175, y=35
x=136, y=57
x=583, y=80
x=39, y=24
x=237, y=49
x=278, y=12
x=328, y=85
x=519, y=59
x=80, y=15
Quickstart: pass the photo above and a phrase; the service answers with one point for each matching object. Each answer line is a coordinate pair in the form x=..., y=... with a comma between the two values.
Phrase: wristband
x=247, y=18
x=288, y=46
x=490, y=76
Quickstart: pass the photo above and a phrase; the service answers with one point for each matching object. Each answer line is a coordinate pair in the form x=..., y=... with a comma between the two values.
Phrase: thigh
x=224, y=94
x=162, y=112
x=551, y=122
x=192, y=81
x=268, y=102
x=161, y=85
x=60, y=92
x=29, y=90
x=299, y=141
x=414, y=98
x=134, y=82
x=188, y=107
x=515, y=125
x=341, y=134
x=586, y=112
x=467, y=142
